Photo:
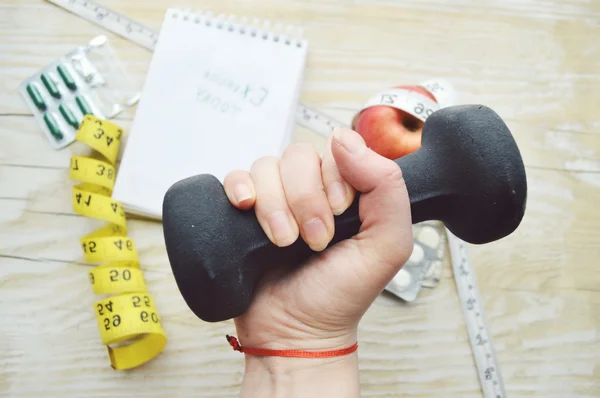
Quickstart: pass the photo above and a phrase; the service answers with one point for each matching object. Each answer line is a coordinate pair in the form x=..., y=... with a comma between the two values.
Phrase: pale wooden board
x=535, y=62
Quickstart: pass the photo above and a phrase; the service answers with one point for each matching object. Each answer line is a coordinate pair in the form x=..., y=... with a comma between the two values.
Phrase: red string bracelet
x=289, y=353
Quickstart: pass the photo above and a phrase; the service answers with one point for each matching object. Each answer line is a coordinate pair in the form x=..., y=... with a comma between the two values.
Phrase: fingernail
x=281, y=228
x=353, y=142
x=316, y=234
x=336, y=194
x=242, y=192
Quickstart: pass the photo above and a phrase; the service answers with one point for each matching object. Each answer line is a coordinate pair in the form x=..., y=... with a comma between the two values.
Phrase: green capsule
x=83, y=106
x=50, y=86
x=53, y=126
x=66, y=76
x=36, y=97
x=68, y=115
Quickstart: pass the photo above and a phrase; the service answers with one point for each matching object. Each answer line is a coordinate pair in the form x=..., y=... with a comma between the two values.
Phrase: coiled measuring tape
x=480, y=338
x=127, y=319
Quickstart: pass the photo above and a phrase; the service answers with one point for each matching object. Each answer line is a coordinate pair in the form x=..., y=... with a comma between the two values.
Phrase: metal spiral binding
x=261, y=28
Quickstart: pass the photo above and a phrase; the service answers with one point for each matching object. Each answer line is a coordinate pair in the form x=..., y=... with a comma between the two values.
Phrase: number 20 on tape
x=128, y=321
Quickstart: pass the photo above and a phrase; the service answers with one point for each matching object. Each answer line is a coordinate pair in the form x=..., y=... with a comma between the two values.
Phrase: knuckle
x=329, y=165
x=235, y=175
x=264, y=162
x=300, y=148
x=303, y=201
x=394, y=176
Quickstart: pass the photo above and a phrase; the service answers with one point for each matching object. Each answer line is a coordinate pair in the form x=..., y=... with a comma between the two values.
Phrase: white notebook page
x=215, y=99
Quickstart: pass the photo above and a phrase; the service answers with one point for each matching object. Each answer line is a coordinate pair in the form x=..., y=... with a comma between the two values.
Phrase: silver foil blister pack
x=424, y=267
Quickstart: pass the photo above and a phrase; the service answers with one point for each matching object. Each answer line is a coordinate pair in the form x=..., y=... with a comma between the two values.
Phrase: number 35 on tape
x=128, y=320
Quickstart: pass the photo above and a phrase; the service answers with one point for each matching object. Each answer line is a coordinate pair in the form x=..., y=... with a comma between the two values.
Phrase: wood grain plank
x=550, y=192
x=51, y=332
x=542, y=146
x=534, y=61
x=349, y=66
x=398, y=341
x=55, y=236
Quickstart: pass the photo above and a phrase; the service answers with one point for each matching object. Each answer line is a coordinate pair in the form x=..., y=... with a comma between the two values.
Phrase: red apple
x=390, y=132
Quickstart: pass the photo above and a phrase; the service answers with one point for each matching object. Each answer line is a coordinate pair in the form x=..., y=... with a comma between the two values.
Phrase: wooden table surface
x=536, y=62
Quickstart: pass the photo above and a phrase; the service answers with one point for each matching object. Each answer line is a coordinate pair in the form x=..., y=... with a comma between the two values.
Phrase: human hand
x=318, y=305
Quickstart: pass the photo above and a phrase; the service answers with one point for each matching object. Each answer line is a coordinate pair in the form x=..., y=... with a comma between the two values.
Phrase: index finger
x=240, y=190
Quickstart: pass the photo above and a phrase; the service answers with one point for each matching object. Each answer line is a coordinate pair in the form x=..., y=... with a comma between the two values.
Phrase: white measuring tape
x=490, y=377
x=413, y=103
x=111, y=20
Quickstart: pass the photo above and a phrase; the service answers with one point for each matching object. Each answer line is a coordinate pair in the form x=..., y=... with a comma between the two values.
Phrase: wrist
x=274, y=377
x=277, y=376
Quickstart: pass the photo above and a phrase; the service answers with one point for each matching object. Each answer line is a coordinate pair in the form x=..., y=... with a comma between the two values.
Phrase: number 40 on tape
x=128, y=320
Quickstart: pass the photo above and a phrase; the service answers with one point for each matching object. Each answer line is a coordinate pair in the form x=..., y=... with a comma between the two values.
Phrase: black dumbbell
x=468, y=173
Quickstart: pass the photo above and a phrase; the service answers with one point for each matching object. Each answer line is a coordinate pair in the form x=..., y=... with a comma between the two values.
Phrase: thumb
x=385, y=240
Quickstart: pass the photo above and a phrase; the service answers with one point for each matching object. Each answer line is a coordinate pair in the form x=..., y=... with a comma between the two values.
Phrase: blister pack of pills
x=88, y=80
x=424, y=267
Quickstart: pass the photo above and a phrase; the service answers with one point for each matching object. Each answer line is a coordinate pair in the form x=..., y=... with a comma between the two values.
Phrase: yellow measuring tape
x=128, y=320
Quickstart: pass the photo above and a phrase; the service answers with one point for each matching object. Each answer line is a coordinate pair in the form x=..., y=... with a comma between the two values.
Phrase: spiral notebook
x=218, y=95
